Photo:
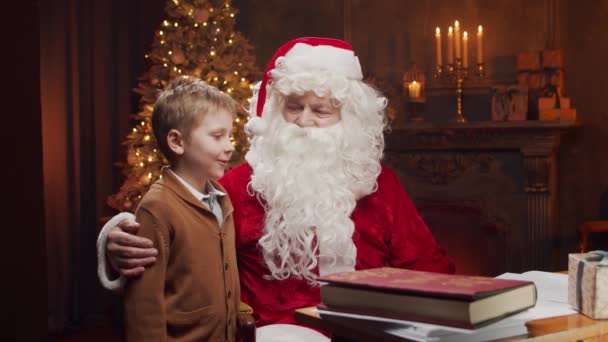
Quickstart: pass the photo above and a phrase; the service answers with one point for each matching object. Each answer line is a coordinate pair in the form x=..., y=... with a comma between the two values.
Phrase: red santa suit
x=388, y=231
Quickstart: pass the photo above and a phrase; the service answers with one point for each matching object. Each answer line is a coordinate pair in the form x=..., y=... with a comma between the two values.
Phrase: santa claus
x=313, y=197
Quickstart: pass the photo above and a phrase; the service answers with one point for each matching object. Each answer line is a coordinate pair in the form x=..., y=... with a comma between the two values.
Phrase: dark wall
x=583, y=161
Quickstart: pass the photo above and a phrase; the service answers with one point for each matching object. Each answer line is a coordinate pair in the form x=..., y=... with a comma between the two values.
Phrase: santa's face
x=313, y=157
x=310, y=110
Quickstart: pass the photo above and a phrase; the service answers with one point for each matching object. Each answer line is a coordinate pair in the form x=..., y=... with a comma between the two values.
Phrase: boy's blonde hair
x=182, y=106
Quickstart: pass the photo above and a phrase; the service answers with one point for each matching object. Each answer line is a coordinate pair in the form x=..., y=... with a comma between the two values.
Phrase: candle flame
x=450, y=29
x=437, y=31
x=464, y=35
x=456, y=24
x=479, y=29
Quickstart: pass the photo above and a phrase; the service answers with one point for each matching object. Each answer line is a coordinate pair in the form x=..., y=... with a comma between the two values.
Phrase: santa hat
x=332, y=55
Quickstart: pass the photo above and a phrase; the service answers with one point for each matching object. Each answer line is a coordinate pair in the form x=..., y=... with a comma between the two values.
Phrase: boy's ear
x=175, y=140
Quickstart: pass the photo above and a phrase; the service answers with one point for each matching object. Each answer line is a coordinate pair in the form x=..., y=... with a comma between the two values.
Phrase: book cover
x=463, y=287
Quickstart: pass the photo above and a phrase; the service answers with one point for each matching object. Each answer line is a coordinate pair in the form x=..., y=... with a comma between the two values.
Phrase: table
x=562, y=328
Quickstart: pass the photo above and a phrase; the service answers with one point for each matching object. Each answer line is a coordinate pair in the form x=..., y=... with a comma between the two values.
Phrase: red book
x=454, y=300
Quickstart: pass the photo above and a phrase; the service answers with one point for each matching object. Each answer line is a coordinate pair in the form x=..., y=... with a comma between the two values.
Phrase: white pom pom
x=381, y=102
x=256, y=126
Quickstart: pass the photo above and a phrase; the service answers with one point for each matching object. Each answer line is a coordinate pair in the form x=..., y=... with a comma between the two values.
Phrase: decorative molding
x=442, y=168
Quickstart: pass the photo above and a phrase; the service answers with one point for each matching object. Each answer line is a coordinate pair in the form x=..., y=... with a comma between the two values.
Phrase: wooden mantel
x=537, y=141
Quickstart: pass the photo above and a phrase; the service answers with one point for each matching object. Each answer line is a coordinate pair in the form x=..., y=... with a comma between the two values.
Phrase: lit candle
x=450, y=46
x=438, y=45
x=414, y=89
x=457, y=38
x=479, y=44
x=465, y=50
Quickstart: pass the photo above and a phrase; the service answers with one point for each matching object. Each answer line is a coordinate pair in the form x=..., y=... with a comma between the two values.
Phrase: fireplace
x=487, y=190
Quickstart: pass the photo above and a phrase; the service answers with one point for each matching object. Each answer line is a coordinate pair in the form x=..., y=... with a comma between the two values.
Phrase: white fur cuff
x=102, y=263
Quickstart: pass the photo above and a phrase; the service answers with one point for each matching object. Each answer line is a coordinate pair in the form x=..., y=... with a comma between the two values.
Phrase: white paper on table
x=550, y=286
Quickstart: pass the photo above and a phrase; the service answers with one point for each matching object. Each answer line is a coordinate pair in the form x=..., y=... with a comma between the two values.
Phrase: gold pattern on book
x=377, y=273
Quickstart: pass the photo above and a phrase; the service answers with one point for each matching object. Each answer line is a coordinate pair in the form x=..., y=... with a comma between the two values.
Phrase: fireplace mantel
x=513, y=135
x=536, y=141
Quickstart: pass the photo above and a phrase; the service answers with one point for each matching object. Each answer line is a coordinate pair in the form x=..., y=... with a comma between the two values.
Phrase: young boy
x=192, y=292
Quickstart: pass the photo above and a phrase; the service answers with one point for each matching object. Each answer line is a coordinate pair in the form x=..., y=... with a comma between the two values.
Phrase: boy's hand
x=128, y=253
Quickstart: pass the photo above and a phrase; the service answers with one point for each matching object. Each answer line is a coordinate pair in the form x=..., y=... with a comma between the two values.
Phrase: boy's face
x=310, y=110
x=208, y=148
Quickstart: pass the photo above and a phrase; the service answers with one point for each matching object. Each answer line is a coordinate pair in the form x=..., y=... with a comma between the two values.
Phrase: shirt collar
x=212, y=192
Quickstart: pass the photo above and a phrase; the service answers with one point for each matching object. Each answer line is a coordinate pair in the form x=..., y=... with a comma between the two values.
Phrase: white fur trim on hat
x=102, y=264
x=334, y=59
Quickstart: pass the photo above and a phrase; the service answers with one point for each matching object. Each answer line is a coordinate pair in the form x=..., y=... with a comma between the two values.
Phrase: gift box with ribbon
x=588, y=283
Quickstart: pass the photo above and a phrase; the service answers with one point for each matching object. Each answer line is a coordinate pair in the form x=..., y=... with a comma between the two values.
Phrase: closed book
x=452, y=300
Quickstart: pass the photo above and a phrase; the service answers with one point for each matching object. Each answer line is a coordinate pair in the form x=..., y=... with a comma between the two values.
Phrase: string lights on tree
x=197, y=38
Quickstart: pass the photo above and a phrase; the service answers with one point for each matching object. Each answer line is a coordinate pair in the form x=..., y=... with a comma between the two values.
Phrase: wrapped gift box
x=553, y=58
x=588, y=283
x=557, y=114
x=528, y=61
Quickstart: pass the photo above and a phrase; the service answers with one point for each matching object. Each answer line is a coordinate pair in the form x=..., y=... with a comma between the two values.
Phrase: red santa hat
x=333, y=55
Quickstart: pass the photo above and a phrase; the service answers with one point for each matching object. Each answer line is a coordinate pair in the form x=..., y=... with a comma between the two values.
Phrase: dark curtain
x=90, y=55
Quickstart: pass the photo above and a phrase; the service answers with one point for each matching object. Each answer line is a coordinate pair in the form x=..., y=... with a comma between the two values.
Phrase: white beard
x=309, y=180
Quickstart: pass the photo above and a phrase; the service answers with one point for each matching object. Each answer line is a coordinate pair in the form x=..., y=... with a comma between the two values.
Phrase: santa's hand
x=128, y=253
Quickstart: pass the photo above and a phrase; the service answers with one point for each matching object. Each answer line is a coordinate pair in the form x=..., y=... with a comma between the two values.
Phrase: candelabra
x=454, y=76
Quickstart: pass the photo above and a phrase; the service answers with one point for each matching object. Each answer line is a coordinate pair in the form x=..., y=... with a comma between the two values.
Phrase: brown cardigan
x=192, y=291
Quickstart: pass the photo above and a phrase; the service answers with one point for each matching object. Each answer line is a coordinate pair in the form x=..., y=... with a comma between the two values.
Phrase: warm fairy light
x=212, y=53
x=162, y=42
x=229, y=91
x=237, y=120
x=141, y=164
x=143, y=123
x=165, y=65
x=205, y=23
x=146, y=137
x=146, y=56
x=195, y=24
x=150, y=159
x=161, y=32
x=225, y=82
x=170, y=52
x=175, y=24
x=165, y=23
x=236, y=72
x=150, y=175
x=231, y=15
x=215, y=78
x=217, y=30
x=174, y=68
x=137, y=153
x=211, y=10
x=242, y=79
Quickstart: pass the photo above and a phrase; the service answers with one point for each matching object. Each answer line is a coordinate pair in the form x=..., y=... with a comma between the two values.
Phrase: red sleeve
x=412, y=244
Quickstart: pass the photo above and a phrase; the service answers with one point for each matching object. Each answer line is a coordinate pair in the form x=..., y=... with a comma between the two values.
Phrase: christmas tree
x=196, y=39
